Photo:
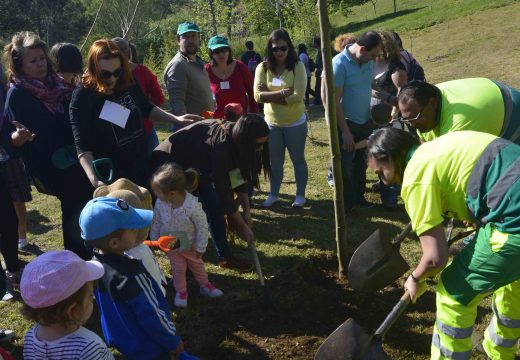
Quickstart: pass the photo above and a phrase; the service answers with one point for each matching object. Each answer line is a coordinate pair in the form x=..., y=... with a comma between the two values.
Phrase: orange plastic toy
x=165, y=243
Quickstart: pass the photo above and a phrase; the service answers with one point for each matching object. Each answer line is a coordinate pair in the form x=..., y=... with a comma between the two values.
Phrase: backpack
x=252, y=63
x=415, y=71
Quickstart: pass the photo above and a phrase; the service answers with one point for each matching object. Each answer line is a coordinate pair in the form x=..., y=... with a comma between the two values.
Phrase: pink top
x=233, y=89
x=152, y=90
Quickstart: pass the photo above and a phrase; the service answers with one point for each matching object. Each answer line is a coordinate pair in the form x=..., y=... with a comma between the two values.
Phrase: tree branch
x=93, y=23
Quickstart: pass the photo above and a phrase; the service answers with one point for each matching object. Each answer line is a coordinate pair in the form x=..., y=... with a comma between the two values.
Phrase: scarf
x=52, y=92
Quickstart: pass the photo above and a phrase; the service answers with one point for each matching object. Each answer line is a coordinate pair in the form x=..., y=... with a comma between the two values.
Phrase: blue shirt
x=356, y=80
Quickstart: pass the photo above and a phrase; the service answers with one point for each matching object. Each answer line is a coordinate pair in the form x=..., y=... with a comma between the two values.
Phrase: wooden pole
x=330, y=116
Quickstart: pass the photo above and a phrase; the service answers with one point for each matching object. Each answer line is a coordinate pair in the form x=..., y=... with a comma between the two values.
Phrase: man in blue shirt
x=353, y=74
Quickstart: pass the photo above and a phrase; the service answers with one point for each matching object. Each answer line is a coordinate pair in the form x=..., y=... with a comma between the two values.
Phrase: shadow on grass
x=38, y=223
x=353, y=27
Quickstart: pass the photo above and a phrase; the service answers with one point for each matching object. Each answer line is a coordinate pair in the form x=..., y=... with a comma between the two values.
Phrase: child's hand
x=175, y=353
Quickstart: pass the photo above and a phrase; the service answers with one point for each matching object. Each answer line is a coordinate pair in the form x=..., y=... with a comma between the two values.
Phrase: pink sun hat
x=56, y=275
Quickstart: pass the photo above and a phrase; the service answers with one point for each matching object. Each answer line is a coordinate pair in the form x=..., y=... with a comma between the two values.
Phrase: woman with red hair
x=107, y=114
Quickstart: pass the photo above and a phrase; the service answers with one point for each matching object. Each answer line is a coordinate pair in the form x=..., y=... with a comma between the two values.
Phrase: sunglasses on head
x=220, y=50
x=105, y=74
x=281, y=48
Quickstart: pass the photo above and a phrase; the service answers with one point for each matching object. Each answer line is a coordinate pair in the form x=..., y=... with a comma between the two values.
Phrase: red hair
x=104, y=50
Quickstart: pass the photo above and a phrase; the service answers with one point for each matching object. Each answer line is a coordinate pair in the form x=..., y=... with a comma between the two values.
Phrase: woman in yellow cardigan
x=280, y=83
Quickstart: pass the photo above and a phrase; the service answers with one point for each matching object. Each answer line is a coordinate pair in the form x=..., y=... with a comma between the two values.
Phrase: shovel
x=376, y=263
x=266, y=294
x=350, y=342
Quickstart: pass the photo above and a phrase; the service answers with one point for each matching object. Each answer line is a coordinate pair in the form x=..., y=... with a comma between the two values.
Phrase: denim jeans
x=217, y=226
x=293, y=138
x=354, y=166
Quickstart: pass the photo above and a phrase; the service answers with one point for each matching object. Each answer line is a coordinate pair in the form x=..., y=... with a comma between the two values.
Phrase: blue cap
x=187, y=27
x=104, y=215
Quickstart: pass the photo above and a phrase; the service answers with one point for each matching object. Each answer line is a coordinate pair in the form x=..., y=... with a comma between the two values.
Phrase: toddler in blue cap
x=135, y=316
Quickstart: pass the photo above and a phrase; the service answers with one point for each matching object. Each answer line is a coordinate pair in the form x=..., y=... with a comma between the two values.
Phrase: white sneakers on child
x=271, y=199
x=299, y=201
x=210, y=290
x=181, y=299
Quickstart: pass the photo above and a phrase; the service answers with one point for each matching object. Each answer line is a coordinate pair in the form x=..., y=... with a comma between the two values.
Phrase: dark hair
x=316, y=41
x=133, y=52
x=398, y=39
x=171, y=177
x=123, y=45
x=57, y=313
x=249, y=45
x=419, y=91
x=229, y=59
x=302, y=49
x=102, y=242
x=369, y=40
x=391, y=145
x=67, y=58
x=292, y=57
x=245, y=131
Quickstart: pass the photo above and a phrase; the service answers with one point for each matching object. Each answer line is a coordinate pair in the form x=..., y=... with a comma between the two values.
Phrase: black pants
x=8, y=227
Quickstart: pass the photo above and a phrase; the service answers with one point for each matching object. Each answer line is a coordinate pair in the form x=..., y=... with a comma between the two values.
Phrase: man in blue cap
x=185, y=78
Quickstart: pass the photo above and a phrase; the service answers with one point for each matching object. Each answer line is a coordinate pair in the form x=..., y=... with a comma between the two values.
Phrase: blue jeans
x=292, y=138
x=217, y=226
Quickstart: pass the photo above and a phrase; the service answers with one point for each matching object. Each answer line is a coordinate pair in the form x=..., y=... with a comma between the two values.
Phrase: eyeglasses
x=220, y=50
x=105, y=74
x=409, y=120
x=281, y=48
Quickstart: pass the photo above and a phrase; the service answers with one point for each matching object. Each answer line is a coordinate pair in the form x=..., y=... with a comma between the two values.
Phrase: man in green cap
x=185, y=77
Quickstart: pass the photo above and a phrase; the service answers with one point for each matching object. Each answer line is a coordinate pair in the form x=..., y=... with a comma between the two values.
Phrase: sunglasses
x=281, y=48
x=409, y=120
x=105, y=74
x=220, y=50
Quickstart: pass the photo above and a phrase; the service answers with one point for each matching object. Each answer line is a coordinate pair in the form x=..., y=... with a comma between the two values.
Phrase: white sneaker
x=299, y=201
x=271, y=199
x=181, y=299
x=22, y=243
x=210, y=290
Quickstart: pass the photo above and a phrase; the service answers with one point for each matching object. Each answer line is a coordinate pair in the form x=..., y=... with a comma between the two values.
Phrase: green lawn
x=451, y=39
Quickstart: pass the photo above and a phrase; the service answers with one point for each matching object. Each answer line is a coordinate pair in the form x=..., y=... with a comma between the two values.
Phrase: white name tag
x=277, y=82
x=224, y=85
x=114, y=113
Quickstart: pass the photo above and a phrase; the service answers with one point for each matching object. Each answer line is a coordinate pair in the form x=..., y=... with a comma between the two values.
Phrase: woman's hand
x=288, y=91
x=348, y=141
x=262, y=87
x=21, y=135
x=96, y=182
x=189, y=119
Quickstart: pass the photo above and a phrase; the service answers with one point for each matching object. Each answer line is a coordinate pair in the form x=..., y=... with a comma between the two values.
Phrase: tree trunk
x=213, y=17
x=330, y=116
x=395, y=7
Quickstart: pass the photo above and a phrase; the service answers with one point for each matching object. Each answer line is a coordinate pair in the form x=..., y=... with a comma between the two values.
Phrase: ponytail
x=192, y=179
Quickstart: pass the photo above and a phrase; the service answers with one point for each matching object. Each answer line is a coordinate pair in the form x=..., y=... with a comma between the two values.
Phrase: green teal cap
x=217, y=42
x=187, y=27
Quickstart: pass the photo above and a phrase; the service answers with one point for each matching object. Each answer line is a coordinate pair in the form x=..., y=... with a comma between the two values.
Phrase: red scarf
x=52, y=92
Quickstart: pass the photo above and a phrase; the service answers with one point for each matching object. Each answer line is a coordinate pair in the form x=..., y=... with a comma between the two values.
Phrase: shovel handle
x=257, y=263
x=403, y=234
x=393, y=315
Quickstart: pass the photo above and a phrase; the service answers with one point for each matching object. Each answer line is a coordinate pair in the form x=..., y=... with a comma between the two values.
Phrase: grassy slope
x=297, y=248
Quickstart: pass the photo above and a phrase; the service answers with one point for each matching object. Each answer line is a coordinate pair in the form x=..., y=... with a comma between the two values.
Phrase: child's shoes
x=181, y=299
x=210, y=290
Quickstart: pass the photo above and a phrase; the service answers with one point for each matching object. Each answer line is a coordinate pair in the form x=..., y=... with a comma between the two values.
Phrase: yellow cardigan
x=283, y=115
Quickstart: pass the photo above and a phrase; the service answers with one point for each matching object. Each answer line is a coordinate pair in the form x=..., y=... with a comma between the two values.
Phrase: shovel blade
x=376, y=263
x=347, y=342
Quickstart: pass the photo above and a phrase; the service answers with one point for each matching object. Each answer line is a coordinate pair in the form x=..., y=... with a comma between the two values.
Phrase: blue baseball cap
x=187, y=27
x=104, y=215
